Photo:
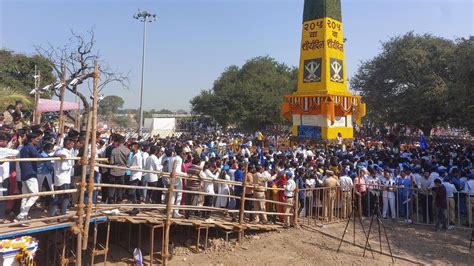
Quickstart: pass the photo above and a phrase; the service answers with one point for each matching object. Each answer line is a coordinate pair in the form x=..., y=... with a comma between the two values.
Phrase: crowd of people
x=436, y=181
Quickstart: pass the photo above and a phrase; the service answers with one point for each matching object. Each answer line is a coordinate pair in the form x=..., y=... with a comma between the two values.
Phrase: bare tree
x=79, y=55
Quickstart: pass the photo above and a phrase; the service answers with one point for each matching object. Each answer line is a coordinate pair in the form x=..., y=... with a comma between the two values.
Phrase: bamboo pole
x=270, y=201
x=169, y=204
x=61, y=98
x=44, y=193
x=3, y=160
x=91, y=162
x=36, y=115
x=80, y=206
x=242, y=198
x=270, y=213
x=129, y=186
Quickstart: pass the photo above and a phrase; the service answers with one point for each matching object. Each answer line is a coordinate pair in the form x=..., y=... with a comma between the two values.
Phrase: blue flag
x=423, y=144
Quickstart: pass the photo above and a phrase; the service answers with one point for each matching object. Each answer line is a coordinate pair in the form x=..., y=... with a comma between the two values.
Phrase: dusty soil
x=318, y=245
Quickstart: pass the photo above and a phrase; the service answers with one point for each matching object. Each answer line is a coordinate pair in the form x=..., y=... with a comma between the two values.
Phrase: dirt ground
x=318, y=245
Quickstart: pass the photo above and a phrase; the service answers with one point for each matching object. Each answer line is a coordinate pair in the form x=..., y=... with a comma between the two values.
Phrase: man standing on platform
x=194, y=171
x=153, y=163
x=62, y=177
x=177, y=162
x=118, y=157
x=29, y=171
x=5, y=169
x=136, y=176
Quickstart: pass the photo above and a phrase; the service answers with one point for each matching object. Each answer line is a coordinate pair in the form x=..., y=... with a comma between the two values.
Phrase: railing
x=410, y=205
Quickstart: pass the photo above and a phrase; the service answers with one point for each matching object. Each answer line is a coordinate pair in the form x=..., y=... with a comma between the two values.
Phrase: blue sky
x=193, y=41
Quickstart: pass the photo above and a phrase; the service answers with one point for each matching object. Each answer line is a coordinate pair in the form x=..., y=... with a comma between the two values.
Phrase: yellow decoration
x=331, y=132
x=322, y=52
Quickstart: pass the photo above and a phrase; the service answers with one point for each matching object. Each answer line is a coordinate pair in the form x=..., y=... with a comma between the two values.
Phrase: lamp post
x=144, y=17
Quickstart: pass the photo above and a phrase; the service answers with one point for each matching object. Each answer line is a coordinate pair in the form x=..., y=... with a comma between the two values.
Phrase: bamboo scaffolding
x=185, y=176
x=242, y=199
x=93, y=145
x=38, y=220
x=166, y=229
x=44, y=193
x=80, y=206
x=61, y=99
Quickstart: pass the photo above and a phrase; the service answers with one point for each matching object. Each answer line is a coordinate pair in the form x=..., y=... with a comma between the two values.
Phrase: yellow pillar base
x=331, y=132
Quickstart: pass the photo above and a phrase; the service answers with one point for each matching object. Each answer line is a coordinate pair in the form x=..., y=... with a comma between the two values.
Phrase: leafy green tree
x=9, y=96
x=165, y=111
x=250, y=96
x=17, y=71
x=110, y=104
x=121, y=121
x=460, y=93
x=409, y=81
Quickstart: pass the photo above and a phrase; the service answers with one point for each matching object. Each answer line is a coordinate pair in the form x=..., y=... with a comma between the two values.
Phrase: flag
x=423, y=144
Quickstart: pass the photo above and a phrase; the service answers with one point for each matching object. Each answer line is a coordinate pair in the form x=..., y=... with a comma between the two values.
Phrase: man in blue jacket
x=29, y=172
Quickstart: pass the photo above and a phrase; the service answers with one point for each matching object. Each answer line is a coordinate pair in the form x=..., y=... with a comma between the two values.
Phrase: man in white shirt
x=290, y=188
x=153, y=163
x=176, y=161
x=5, y=169
x=388, y=195
x=62, y=177
x=346, y=187
x=450, y=190
x=136, y=176
x=469, y=190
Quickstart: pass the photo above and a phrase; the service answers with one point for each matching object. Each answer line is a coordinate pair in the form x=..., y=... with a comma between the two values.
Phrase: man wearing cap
x=331, y=183
x=260, y=179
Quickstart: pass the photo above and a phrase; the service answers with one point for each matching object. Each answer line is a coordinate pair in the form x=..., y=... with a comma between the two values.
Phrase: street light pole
x=144, y=17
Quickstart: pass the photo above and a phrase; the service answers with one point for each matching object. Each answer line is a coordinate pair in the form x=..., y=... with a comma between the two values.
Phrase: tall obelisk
x=322, y=106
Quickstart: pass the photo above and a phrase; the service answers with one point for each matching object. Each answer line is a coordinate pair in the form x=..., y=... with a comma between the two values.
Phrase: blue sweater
x=29, y=169
x=239, y=177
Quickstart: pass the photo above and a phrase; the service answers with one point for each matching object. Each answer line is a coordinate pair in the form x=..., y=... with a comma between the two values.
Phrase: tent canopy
x=46, y=105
